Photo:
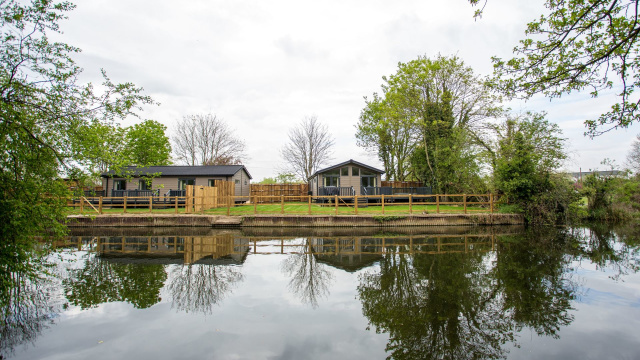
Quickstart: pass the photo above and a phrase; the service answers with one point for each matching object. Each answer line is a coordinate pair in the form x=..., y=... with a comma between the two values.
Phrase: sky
x=262, y=66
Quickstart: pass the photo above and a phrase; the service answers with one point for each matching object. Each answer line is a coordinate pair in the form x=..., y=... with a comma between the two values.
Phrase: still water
x=430, y=293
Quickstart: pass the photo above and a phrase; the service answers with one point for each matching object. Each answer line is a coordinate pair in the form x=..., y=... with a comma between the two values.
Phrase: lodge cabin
x=351, y=178
x=172, y=181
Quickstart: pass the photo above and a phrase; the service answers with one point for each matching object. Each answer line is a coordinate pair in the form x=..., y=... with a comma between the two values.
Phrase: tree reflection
x=435, y=307
x=197, y=288
x=101, y=281
x=615, y=249
x=532, y=278
x=468, y=305
x=310, y=279
x=25, y=290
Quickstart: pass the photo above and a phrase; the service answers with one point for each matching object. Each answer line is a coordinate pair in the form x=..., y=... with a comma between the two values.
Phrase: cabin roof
x=350, y=161
x=180, y=170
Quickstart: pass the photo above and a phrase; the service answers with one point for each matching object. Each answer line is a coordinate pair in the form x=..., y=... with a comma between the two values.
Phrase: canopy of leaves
x=579, y=45
x=42, y=106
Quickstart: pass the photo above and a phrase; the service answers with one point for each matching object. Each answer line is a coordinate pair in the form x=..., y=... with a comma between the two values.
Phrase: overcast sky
x=264, y=65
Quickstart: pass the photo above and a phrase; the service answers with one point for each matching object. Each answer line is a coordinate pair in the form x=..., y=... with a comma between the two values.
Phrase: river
x=405, y=293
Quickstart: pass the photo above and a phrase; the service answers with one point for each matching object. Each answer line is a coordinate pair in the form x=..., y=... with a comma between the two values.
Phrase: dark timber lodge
x=352, y=178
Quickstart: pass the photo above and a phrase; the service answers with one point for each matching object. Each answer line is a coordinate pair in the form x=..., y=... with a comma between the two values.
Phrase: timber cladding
x=271, y=193
x=200, y=198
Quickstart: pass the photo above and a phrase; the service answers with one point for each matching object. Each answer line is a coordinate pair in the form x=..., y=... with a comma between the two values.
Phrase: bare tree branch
x=309, y=147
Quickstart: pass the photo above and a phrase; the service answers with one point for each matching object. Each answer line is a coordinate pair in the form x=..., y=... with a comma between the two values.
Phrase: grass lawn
x=300, y=208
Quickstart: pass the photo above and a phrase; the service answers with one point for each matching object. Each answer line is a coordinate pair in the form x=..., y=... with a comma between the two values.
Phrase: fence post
x=81, y=206
x=100, y=206
x=356, y=205
x=491, y=202
x=410, y=203
x=382, y=204
x=464, y=200
x=438, y=204
x=336, y=202
x=176, y=203
x=255, y=204
x=309, y=204
x=228, y=205
x=281, y=204
x=150, y=203
x=124, y=210
x=202, y=203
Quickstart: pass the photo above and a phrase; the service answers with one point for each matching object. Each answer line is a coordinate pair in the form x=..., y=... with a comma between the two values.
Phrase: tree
x=205, y=139
x=147, y=144
x=579, y=45
x=383, y=128
x=633, y=157
x=423, y=104
x=42, y=106
x=309, y=147
x=529, y=152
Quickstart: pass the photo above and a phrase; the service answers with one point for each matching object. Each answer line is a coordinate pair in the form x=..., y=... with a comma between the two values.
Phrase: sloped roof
x=350, y=161
x=205, y=170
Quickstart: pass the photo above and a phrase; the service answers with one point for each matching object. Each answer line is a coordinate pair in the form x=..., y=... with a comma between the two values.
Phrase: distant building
x=165, y=178
x=578, y=176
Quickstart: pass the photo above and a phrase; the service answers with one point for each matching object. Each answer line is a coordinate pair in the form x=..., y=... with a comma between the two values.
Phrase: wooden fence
x=270, y=193
x=401, y=184
x=338, y=205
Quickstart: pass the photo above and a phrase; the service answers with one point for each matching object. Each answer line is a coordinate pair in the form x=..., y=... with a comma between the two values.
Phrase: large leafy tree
x=42, y=108
x=385, y=129
x=147, y=144
x=590, y=45
x=432, y=106
x=529, y=151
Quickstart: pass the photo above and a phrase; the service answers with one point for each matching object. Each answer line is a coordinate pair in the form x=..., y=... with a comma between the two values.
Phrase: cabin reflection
x=352, y=254
x=348, y=253
x=213, y=250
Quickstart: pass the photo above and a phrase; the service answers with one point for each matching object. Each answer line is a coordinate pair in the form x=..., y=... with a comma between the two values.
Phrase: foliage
x=281, y=178
x=101, y=147
x=529, y=152
x=611, y=198
x=308, y=148
x=577, y=46
x=425, y=123
x=43, y=106
x=205, y=139
x=389, y=132
x=147, y=144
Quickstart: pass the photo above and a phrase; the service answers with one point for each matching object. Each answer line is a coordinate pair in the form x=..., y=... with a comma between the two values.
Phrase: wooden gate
x=201, y=198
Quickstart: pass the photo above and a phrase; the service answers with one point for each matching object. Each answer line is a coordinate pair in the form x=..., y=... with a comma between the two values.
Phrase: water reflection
x=102, y=280
x=310, y=279
x=435, y=306
x=441, y=295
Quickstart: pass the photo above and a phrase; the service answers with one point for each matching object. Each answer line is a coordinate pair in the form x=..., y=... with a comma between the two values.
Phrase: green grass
x=292, y=208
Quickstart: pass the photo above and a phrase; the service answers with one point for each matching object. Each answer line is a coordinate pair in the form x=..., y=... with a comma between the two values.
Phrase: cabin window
x=182, y=183
x=119, y=184
x=344, y=171
x=355, y=171
x=331, y=180
x=237, y=182
x=368, y=180
x=144, y=184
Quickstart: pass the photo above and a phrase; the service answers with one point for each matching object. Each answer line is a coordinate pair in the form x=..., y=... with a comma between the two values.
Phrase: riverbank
x=220, y=221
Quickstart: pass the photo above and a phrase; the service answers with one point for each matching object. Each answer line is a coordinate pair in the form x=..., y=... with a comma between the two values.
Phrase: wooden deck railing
x=336, y=205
